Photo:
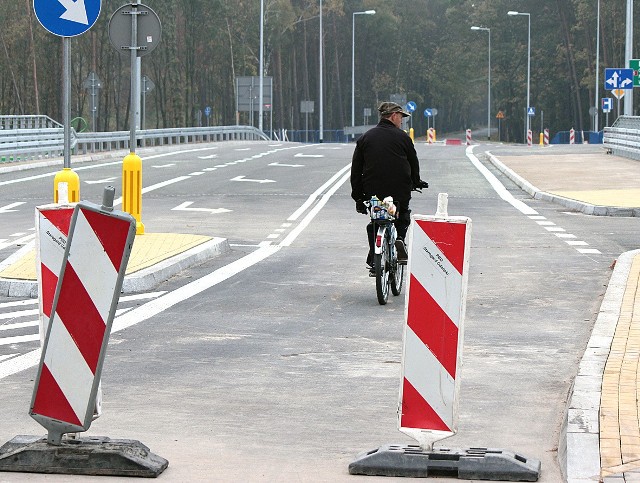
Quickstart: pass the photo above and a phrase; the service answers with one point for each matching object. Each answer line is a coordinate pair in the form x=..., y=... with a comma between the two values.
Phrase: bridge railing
x=623, y=138
x=48, y=142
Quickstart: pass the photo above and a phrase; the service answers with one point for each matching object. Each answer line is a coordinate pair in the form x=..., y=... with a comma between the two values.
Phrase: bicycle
x=389, y=272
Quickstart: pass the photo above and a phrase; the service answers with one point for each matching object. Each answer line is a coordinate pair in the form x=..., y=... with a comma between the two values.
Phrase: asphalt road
x=274, y=362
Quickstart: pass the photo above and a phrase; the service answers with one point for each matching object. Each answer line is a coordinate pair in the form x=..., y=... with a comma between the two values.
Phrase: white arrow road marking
x=100, y=181
x=75, y=11
x=287, y=165
x=164, y=165
x=242, y=178
x=211, y=156
x=7, y=208
x=185, y=207
x=300, y=155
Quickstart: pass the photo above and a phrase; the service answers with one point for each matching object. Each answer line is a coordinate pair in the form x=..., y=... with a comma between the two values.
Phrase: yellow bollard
x=434, y=135
x=411, y=134
x=132, y=189
x=67, y=175
x=541, y=139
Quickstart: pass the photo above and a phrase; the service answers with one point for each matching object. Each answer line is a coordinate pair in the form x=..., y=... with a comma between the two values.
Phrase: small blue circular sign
x=67, y=18
x=411, y=106
x=428, y=113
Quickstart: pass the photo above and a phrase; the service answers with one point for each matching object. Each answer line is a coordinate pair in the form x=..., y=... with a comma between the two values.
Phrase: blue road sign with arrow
x=618, y=79
x=67, y=18
x=411, y=106
x=428, y=113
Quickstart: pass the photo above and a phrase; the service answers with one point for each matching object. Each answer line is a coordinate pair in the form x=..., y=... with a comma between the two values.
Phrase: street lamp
x=353, y=65
x=321, y=123
x=488, y=83
x=526, y=112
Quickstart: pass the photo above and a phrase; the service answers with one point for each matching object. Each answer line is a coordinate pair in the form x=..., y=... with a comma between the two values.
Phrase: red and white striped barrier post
x=572, y=136
x=468, y=137
x=546, y=137
x=433, y=334
x=430, y=135
x=529, y=138
x=82, y=312
x=438, y=269
x=52, y=231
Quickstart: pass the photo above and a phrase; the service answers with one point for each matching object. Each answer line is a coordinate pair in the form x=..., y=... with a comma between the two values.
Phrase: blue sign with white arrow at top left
x=67, y=18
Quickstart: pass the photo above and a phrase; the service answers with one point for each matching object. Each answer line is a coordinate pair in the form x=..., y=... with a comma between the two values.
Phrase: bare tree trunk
x=571, y=65
x=13, y=76
x=233, y=69
x=33, y=57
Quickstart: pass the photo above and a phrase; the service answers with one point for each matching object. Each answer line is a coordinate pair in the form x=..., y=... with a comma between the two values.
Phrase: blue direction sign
x=428, y=113
x=67, y=18
x=207, y=111
x=411, y=106
x=618, y=79
x=607, y=104
x=531, y=111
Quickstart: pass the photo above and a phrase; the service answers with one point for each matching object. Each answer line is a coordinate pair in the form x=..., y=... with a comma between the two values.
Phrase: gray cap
x=388, y=108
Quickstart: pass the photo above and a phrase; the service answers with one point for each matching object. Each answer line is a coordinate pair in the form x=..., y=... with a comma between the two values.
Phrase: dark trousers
x=402, y=222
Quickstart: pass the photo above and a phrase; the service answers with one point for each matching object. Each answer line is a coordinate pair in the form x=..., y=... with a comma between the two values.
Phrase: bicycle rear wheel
x=381, y=264
x=397, y=277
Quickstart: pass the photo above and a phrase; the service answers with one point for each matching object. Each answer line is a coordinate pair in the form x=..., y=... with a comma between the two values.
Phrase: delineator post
x=132, y=189
x=67, y=175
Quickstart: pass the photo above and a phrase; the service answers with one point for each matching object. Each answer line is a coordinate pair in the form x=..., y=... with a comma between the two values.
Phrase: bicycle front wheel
x=381, y=264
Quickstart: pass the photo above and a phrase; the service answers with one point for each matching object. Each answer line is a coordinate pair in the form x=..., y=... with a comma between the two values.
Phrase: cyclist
x=385, y=164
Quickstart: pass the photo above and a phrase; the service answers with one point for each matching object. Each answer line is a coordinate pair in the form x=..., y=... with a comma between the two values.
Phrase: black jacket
x=384, y=164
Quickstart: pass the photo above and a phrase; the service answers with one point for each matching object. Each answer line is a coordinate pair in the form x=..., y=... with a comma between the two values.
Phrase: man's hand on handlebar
x=361, y=207
x=420, y=186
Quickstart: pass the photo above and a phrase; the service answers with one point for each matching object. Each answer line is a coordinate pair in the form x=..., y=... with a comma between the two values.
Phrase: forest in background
x=424, y=49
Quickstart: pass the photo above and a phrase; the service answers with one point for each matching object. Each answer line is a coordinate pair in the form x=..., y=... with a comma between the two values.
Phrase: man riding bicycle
x=385, y=164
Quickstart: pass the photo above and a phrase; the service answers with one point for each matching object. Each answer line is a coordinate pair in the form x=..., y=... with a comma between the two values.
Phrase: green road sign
x=635, y=65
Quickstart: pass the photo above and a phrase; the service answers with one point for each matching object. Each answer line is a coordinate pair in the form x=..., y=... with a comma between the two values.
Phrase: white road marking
x=185, y=207
x=169, y=299
x=8, y=208
x=525, y=209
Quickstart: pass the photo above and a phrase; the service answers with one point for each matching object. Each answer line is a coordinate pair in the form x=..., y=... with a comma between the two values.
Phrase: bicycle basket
x=378, y=210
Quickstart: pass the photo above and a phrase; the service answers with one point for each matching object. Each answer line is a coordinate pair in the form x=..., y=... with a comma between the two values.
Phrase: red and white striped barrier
x=82, y=312
x=572, y=136
x=468, y=137
x=546, y=137
x=529, y=138
x=431, y=135
x=52, y=231
x=433, y=334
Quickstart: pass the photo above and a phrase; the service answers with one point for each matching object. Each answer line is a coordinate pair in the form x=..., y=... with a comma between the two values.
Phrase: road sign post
x=67, y=19
x=134, y=28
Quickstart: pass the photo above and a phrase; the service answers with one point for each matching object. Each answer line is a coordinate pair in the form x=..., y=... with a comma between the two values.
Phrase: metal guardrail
x=48, y=142
x=27, y=122
x=110, y=141
x=623, y=138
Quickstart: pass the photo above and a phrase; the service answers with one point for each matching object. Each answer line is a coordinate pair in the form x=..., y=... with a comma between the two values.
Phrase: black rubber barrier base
x=97, y=455
x=468, y=464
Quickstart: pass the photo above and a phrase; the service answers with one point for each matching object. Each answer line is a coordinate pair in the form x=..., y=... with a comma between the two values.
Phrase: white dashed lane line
x=568, y=238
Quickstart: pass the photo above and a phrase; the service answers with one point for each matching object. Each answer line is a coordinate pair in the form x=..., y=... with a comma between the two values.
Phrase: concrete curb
x=579, y=446
x=586, y=208
x=139, y=281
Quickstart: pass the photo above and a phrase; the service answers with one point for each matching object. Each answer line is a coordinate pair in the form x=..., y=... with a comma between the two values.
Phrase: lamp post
x=488, y=30
x=526, y=111
x=353, y=65
x=261, y=82
x=628, y=55
x=321, y=123
x=596, y=106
